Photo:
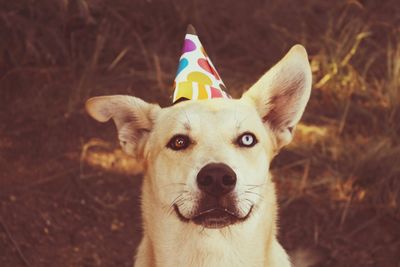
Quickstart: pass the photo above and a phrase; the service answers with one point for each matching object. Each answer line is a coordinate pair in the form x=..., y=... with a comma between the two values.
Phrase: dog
x=208, y=198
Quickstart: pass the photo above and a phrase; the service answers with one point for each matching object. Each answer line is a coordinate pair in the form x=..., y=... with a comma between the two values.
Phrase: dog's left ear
x=133, y=117
x=281, y=95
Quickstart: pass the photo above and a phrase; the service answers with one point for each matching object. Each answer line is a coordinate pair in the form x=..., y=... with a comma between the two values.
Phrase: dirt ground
x=69, y=197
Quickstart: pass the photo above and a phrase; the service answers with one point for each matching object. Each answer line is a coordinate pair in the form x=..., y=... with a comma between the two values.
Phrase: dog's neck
x=175, y=243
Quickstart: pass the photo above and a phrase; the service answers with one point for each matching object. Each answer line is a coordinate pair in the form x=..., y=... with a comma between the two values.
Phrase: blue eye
x=247, y=140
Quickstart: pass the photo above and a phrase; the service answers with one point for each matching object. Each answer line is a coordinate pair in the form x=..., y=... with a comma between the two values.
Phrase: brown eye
x=247, y=140
x=179, y=142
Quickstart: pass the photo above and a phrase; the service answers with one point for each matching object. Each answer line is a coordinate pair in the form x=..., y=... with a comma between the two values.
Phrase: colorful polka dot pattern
x=196, y=77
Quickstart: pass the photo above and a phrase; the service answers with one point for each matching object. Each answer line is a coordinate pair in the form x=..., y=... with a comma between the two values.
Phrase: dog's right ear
x=281, y=95
x=133, y=117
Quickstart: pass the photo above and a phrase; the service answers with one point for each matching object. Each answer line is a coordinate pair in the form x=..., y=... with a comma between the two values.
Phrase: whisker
x=179, y=201
x=250, y=192
x=250, y=202
x=241, y=209
x=254, y=185
x=179, y=192
x=254, y=193
x=175, y=200
x=174, y=184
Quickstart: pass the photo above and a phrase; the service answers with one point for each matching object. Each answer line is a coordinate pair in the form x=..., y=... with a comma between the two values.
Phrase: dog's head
x=207, y=160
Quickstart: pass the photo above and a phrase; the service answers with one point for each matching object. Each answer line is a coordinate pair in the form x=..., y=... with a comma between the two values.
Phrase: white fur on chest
x=205, y=247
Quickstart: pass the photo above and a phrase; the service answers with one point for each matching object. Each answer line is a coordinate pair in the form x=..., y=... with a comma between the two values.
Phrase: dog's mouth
x=214, y=217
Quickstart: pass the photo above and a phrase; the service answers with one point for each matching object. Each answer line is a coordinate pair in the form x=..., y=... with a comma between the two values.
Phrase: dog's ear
x=281, y=94
x=133, y=117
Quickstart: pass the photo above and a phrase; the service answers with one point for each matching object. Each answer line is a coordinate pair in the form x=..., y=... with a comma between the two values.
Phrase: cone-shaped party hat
x=196, y=77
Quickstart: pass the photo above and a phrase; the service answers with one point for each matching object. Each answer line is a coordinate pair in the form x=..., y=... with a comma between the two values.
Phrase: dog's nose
x=216, y=179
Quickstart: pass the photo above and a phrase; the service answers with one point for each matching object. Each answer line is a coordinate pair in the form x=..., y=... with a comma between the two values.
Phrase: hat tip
x=191, y=29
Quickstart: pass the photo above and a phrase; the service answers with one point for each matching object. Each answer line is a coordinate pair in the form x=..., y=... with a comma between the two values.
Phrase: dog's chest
x=209, y=259
x=214, y=253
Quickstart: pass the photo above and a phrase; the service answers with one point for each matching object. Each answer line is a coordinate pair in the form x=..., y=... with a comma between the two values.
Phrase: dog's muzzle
x=217, y=206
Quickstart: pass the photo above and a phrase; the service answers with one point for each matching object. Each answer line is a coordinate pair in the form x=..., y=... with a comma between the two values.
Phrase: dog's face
x=208, y=160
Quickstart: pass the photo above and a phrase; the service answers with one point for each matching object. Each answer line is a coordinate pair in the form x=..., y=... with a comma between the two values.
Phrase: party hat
x=196, y=77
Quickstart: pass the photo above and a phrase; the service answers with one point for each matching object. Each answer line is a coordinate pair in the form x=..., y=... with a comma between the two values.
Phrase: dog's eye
x=247, y=140
x=179, y=142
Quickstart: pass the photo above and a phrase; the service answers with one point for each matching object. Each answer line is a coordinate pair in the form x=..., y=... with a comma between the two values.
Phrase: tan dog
x=207, y=197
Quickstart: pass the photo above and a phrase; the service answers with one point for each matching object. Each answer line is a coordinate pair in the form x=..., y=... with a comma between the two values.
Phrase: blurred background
x=69, y=196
